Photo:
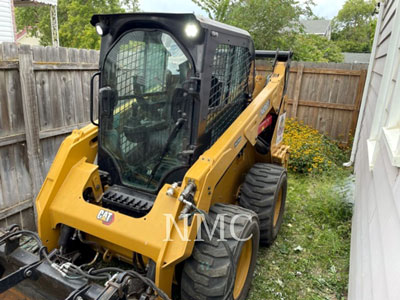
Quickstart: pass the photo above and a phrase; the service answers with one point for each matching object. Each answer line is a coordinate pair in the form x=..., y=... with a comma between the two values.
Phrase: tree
x=354, y=26
x=266, y=20
x=316, y=48
x=73, y=20
x=274, y=24
x=269, y=21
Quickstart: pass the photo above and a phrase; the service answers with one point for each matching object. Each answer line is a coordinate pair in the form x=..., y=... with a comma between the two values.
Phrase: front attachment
x=26, y=266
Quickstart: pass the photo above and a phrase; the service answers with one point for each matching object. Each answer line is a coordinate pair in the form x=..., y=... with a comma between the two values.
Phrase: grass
x=310, y=257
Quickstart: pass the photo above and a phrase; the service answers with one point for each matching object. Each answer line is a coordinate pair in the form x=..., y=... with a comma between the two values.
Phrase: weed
x=310, y=151
x=310, y=258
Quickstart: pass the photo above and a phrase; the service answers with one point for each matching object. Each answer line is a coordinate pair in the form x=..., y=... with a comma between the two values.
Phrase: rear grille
x=126, y=201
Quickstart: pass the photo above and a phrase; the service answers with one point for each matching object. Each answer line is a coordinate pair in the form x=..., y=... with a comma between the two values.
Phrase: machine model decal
x=281, y=128
x=105, y=216
x=265, y=108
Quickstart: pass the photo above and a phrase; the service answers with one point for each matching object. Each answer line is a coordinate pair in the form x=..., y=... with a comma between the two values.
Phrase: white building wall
x=6, y=21
x=375, y=244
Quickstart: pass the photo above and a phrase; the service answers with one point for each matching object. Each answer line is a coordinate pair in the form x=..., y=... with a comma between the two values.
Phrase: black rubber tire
x=259, y=193
x=208, y=273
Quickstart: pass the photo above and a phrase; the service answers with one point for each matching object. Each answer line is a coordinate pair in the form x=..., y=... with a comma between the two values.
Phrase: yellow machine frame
x=217, y=174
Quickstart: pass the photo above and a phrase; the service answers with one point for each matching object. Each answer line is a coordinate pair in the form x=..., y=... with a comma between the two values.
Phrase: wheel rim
x=278, y=205
x=243, y=267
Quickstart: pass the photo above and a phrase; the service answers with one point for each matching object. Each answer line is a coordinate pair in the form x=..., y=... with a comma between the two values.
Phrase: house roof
x=21, y=33
x=356, y=57
x=316, y=26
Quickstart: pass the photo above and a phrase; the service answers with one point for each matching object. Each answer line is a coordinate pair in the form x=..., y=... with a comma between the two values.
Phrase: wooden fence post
x=297, y=89
x=357, y=104
x=31, y=118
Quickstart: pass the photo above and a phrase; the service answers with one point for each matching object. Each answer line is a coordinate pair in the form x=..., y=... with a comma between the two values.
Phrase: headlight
x=191, y=30
x=99, y=29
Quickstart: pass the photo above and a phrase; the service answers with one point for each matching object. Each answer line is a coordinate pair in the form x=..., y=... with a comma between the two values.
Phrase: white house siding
x=375, y=243
x=6, y=21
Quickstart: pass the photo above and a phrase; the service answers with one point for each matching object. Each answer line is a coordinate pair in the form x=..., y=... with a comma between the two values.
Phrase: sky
x=327, y=8
x=323, y=8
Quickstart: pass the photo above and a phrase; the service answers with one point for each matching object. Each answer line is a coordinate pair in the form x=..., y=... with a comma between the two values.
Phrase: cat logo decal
x=106, y=217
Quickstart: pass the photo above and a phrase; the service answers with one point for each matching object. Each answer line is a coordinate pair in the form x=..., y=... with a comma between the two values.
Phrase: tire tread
x=206, y=273
x=257, y=194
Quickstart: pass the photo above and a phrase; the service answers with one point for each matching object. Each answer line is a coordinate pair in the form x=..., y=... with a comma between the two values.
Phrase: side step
x=280, y=155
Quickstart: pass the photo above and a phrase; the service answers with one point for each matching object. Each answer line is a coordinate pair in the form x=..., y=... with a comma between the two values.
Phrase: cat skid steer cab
x=187, y=135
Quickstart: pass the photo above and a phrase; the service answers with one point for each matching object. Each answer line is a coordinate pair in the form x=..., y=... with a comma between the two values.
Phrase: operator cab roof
x=113, y=19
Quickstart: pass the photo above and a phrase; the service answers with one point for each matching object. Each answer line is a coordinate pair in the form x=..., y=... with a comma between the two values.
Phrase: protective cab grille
x=229, y=82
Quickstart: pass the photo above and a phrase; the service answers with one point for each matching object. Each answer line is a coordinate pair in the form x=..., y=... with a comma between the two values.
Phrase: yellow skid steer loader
x=170, y=191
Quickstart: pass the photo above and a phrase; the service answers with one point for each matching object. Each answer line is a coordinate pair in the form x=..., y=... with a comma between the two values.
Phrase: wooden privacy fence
x=44, y=95
x=326, y=96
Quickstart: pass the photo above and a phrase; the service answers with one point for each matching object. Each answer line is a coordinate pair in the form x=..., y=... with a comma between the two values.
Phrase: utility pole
x=54, y=26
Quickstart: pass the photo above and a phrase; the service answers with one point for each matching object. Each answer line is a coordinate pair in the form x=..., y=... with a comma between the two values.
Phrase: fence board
x=14, y=97
x=24, y=182
x=297, y=89
x=43, y=93
x=31, y=116
x=4, y=119
x=6, y=177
